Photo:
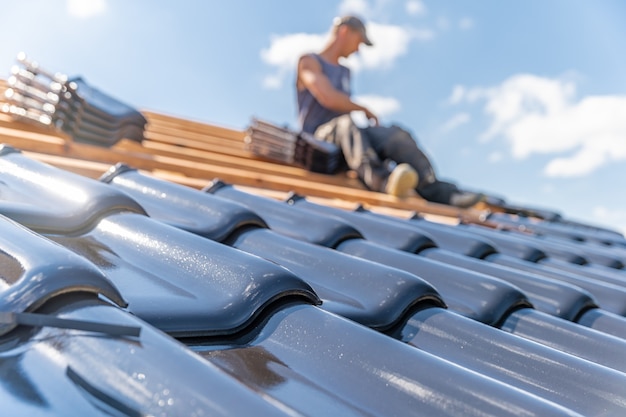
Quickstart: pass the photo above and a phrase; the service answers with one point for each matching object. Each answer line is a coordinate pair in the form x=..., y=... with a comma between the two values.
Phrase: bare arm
x=311, y=77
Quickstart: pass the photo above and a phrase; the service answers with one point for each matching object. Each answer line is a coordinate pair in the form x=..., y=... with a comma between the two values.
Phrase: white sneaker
x=401, y=181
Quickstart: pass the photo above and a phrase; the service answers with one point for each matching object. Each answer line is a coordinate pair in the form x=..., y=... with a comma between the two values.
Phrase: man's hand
x=371, y=117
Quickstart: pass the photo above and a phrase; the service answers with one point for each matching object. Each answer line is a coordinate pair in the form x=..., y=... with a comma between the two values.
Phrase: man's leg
x=438, y=191
x=357, y=151
x=398, y=145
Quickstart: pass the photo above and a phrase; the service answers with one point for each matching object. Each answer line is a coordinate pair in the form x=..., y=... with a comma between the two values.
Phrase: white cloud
x=459, y=93
x=85, y=8
x=381, y=106
x=273, y=82
x=456, y=121
x=283, y=54
x=462, y=94
x=538, y=115
x=285, y=50
x=415, y=7
x=390, y=42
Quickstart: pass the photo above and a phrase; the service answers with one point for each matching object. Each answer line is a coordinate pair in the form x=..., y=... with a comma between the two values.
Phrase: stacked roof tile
x=146, y=288
x=69, y=104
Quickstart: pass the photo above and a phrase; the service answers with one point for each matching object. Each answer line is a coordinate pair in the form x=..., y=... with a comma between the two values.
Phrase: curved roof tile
x=48, y=199
x=33, y=270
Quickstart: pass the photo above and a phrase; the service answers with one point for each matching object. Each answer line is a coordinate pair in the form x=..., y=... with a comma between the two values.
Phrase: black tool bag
x=317, y=155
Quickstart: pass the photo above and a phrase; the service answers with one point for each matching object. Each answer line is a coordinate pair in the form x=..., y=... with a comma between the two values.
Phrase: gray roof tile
x=59, y=372
x=47, y=199
x=548, y=295
x=216, y=218
x=321, y=230
x=261, y=343
x=585, y=234
x=517, y=361
x=384, y=233
x=444, y=236
x=506, y=242
x=367, y=292
x=34, y=270
x=612, y=297
x=292, y=359
x=478, y=296
x=182, y=283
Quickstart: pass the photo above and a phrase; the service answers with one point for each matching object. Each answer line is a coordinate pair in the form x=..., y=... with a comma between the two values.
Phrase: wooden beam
x=194, y=153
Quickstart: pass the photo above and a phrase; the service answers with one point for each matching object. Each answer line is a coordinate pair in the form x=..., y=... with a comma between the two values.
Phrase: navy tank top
x=311, y=113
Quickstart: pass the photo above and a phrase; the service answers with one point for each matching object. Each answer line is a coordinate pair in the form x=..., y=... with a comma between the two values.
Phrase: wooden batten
x=194, y=153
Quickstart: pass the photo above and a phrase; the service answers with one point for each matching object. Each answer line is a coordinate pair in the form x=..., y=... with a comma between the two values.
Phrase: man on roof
x=386, y=158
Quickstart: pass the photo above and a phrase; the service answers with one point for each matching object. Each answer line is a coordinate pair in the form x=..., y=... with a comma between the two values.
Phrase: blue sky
x=523, y=99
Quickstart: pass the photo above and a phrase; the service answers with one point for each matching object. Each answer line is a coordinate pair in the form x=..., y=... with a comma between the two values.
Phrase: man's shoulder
x=309, y=56
x=310, y=61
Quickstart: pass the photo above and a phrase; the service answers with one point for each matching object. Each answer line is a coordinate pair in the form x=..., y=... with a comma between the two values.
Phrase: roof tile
x=307, y=356
x=367, y=292
x=34, y=270
x=321, y=230
x=267, y=348
x=47, y=199
x=182, y=283
x=60, y=372
x=178, y=206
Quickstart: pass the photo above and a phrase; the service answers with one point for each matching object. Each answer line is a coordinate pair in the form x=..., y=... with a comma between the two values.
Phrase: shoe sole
x=401, y=181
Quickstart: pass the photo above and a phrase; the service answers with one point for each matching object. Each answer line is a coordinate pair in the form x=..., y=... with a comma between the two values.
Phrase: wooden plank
x=196, y=138
x=94, y=170
x=193, y=153
x=208, y=144
x=85, y=168
x=237, y=162
x=207, y=172
x=162, y=120
x=7, y=121
x=22, y=138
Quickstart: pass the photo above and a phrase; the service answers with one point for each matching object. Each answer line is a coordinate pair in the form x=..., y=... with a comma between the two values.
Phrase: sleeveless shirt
x=311, y=113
